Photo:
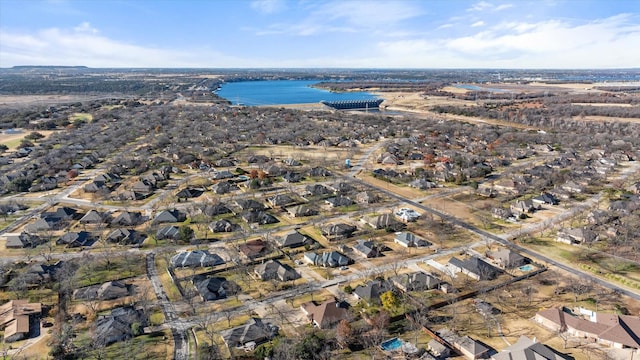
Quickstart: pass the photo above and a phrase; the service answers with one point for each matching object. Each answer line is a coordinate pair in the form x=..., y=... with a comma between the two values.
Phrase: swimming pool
x=527, y=267
x=391, y=344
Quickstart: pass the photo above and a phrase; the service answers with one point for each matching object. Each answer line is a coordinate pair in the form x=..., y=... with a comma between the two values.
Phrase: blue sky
x=321, y=33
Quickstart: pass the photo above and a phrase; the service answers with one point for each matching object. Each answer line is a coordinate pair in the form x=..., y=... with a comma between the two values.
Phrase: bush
x=348, y=289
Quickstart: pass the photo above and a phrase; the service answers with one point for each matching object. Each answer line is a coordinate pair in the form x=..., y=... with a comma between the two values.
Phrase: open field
x=13, y=140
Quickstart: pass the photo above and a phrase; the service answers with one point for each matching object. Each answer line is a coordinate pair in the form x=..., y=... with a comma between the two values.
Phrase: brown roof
x=14, y=316
x=325, y=314
x=253, y=248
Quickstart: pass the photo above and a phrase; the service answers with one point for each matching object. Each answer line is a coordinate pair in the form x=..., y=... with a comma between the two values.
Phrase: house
x=224, y=174
x=291, y=162
x=195, y=258
x=407, y=215
x=254, y=248
x=526, y=349
x=210, y=288
x=470, y=348
x=22, y=240
x=327, y=259
x=96, y=186
x=76, y=239
x=125, y=236
x=423, y=184
x=259, y=217
x=189, y=193
x=438, y=350
x=545, y=199
x=18, y=318
x=254, y=331
x=338, y=231
x=168, y=232
x=293, y=239
x=416, y=281
x=215, y=209
x=408, y=239
x=617, y=331
x=301, y=211
x=338, y=201
x=274, y=270
x=223, y=225
x=107, y=291
x=42, y=225
x=326, y=314
x=576, y=236
x=292, y=177
x=170, y=216
x=128, y=218
x=280, y=200
x=371, y=291
x=317, y=190
x=319, y=171
x=94, y=217
x=224, y=187
x=474, y=267
x=524, y=207
x=143, y=187
x=131, y=195
x=367, y=248
x=572, y=187
x=384, y=221
x=366, y=197
x=506, y=259
x=117, y=326
x=341, y=187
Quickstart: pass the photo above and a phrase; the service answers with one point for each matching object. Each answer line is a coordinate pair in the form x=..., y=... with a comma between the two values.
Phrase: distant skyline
x=556, y=34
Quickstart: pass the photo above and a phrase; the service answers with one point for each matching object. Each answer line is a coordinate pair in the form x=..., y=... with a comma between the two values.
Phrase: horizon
x=326, y=34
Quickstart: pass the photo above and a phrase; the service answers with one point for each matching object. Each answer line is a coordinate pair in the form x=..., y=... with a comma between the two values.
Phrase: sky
x=420, y=34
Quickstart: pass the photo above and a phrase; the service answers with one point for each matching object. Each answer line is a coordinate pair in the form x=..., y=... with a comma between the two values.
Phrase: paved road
x=178, y=328
x=496, y=238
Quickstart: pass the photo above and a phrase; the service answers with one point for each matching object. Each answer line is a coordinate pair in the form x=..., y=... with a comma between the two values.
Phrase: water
x=280, y=92
x=391, y=344
x=526, y=267
x=479, y=88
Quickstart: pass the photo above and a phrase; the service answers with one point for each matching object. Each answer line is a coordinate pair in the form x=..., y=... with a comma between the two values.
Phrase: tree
x=185, y=233
x=389, y=300
x=344, y=333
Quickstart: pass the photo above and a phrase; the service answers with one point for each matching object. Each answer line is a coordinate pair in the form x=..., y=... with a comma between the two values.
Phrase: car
x=344, y=267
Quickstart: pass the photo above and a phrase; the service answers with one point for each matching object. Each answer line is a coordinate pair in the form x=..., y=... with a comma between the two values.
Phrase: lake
x=280, y=92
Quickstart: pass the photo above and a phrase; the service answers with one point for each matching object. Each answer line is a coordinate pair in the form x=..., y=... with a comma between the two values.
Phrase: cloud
x=487, y=6
x=268, y=6
x=83, y=46
x=478, y=24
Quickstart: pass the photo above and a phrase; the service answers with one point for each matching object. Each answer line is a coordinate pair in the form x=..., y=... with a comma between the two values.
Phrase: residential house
x=545, y=199
x=338, y=231
x=338, y=201
x=250, y=205
x=76, y=239
x=224, y=174
x=18, y=318
x=319, y=171
x=367, y=197
x=292, y=177
x=143, y=187
x=371, y=291
x=326, y=314
x=224, y=187
x=317, y=190
x=168, y=232
x=506, y=259
x=253, y=332
x=125, y=236
x=301, y=211
x=117, y=326
x=384, y=221
x=573, y=236
x=423, y=184
x=293, y=239
x=96, y=186
x=341, y=188
x=94, y=217
x=215, y=209
x=617, y=331
x=170, y=216
x=195, y=258
x=572, y=187
x=527, y=349
x=274, y=270
x=416, y=281
x=408, y=239
x=280, y=200
x=22, y=240
x=189, y=193
x=210, y=288
x=108, y=291
x=474, y=267
x=327, y=259
x=131, y=195
x=43, y=225
x=367, y=248
x=407, y=215
x=223, y=225
x=254, y=248
x=470, y=348
x=438, y=350
x=259, y=217
x=524, y=206
x=128, y=218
